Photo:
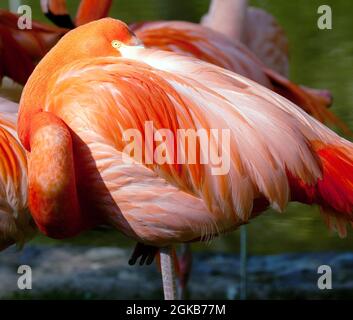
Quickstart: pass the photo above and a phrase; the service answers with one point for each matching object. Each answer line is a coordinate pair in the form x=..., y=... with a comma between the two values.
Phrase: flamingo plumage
x=16, y=224
x=222, y=48
x=265, y=60
x=208, y=45
x=21, y=50
x=254, y=27
x=85, y=12
x=72, y=121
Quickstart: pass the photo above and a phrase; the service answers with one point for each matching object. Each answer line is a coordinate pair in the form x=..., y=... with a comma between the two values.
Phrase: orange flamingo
x=73, y=116
x=265, y=38
x=16, y=224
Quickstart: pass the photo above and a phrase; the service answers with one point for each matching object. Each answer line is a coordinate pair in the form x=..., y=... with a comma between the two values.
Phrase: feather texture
x=15, y=221
x=208, y=45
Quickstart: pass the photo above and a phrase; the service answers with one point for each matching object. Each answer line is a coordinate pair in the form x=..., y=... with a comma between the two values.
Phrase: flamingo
x=73, y=116
x=21, y=50
x=266, y=39
x=16, y=224
x=62, y=18
x=88, y=10
x=256, y=28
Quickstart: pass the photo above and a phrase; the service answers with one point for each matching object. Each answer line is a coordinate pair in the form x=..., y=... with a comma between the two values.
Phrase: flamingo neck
x=227, y=17
x=91, y=10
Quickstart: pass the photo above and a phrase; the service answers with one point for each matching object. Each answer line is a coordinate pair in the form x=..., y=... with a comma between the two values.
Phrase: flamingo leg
x=185, y=265
x=243, y=262
x=168, y=273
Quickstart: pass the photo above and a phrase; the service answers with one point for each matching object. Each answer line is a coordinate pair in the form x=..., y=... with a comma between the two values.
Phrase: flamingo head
x=95, y=39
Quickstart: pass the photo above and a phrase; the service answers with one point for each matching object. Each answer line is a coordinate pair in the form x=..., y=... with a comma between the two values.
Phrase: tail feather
x=334, y=190
x=313, y=101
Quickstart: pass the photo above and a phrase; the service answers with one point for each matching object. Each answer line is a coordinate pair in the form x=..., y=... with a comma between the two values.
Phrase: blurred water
x=319, y=58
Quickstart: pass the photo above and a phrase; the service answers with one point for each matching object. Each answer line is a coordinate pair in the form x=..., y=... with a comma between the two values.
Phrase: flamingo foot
x=147, y=254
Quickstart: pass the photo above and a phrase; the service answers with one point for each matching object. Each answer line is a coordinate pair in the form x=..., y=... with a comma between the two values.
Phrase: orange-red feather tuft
x=334, y=191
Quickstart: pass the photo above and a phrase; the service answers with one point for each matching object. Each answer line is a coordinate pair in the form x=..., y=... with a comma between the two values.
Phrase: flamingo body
x=77, y=175
x=203, y=43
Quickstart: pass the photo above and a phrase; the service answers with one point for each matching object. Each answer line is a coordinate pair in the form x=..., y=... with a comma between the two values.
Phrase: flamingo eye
x=116, y=44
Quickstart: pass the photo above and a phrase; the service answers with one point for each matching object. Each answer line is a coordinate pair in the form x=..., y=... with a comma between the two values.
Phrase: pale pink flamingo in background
x=256, y=28
x=72, y=119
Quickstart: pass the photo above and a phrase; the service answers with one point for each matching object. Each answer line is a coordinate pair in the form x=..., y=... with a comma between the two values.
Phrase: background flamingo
x=85, y=183
x=21, y=50
x=256, y=28
x=16, y=224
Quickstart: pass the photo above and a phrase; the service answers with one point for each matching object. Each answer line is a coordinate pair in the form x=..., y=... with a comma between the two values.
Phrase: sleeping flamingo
x=266, y=39
x=16, y=224
x=74, y=114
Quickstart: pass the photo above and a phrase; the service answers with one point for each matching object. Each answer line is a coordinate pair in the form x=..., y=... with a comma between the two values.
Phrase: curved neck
x=90, y=10
x=227, y=17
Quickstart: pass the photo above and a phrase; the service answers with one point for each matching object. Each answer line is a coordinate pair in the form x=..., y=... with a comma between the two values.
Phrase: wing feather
x=269, y=134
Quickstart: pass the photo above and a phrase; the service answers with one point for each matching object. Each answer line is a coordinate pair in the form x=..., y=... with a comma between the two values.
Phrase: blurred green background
x=318, y=58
